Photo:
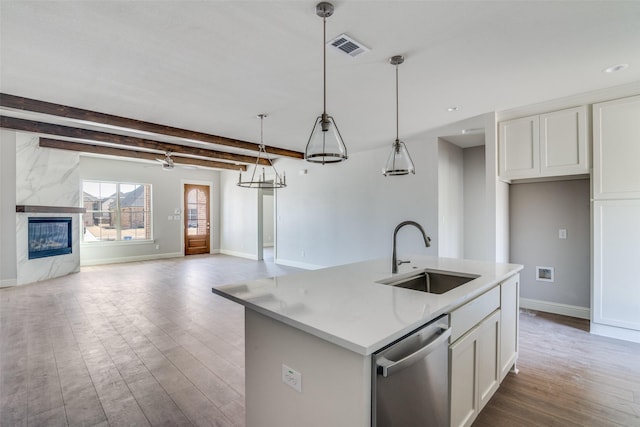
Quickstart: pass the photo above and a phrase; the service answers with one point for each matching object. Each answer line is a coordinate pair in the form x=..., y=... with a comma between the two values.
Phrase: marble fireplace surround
x=47, y=185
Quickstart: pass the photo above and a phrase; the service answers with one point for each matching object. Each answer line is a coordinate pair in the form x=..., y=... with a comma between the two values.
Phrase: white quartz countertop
x=346, y=306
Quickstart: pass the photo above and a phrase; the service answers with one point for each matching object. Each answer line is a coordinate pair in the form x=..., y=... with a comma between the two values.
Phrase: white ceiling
x=211, y=66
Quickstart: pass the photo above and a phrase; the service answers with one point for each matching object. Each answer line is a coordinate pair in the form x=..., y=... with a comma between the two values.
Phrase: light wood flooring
x=149, y=344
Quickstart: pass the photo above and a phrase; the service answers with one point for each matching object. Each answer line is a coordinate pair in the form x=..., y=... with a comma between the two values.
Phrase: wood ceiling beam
x=121, y=152
x=36, y=106
x=129, y=141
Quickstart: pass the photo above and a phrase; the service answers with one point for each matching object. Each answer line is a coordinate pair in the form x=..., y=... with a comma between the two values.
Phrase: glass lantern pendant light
x=261, y=181
x=325, y=144
x=399, y=161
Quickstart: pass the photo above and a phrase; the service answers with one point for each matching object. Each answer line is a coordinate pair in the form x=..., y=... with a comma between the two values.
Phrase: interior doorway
x=197, y=222
x=266, y=225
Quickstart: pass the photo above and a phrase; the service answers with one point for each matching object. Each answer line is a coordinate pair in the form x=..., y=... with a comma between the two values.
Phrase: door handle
x=386, y=367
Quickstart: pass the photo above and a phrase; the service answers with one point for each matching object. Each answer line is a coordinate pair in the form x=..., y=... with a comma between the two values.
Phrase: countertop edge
x=390, y=338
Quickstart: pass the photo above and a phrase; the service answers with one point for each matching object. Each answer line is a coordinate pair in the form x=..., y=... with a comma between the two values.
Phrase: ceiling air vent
x=346, y=44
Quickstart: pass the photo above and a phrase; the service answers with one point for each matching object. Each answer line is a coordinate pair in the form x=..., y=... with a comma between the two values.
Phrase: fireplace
x=49, y=236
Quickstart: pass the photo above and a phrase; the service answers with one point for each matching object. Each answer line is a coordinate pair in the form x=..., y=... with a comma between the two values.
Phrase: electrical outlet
x=302, y=253
x=292, y=378
x=562, y=233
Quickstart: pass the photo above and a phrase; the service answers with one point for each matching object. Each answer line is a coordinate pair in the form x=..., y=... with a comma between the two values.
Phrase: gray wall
x=8, y=262
x=450, y=200
x=475, y=203
x=537, y=212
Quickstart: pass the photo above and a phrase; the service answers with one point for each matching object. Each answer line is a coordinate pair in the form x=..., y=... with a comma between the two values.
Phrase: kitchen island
x=326, y=324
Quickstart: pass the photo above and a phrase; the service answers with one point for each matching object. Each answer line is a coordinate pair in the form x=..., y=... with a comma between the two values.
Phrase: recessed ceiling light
x=615, y=68
x=472, y=130
x=454, y=108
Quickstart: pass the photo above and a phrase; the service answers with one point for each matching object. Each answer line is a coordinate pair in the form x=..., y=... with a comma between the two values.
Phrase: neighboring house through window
x=116, y=211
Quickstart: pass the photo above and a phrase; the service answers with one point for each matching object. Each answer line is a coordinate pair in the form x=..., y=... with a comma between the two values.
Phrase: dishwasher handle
x=387, y=367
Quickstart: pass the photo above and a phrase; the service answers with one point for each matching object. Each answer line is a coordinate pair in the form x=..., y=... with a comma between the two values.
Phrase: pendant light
x=261, y=181
x=325, y=144
x=399, y=161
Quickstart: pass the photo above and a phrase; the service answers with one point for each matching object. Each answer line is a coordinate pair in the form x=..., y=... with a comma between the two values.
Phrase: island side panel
x=336, y=384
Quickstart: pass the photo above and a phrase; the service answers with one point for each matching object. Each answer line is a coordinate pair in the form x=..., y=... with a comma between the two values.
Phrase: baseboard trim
x=239, y=254
x=104, y=261
x=556, y=308
x=5, y=283
x=297, y=264
x=615, y=332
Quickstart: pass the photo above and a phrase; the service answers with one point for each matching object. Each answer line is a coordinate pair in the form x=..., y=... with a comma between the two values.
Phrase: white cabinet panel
x=564, y=146
x=616, y=259
x=616, y=149
x=545, y=146
x=464, y=379
x=475, y=370
x=518, y=148
x=488, y=358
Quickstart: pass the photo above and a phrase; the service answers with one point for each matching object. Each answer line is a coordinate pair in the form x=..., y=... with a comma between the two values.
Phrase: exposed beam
x=129, y=141
x=36, y=106
x=120, y=152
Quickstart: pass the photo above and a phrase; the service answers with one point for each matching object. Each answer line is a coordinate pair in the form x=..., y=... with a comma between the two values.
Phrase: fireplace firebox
x=49, y=236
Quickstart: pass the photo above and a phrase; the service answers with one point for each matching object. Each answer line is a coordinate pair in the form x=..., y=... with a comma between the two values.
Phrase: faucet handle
x=400, y=262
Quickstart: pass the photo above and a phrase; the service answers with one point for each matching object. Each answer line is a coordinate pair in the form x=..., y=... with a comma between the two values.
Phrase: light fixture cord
x=324, y=61
x=397, y=108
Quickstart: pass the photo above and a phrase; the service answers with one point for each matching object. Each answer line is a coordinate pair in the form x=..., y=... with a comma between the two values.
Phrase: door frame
x=211, y=211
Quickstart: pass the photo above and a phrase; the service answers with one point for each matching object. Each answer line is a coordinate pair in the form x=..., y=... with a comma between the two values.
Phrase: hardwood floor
x=131, y=344
x=149, y=344
x=567, y=377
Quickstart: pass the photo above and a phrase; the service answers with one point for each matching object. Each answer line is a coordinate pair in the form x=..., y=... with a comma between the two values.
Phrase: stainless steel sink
x=431, y=281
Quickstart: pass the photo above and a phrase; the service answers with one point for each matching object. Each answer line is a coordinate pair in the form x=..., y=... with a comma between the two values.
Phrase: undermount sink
x=431, y=281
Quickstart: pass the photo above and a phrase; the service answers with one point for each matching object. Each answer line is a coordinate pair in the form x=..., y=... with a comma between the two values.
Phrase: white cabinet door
x=563, y=142
x=464, y=380
x=475, y=370
x=488, y=358
x=509, y=310
x=616, y=149
x=519, y=148
x=545, y=146
x=616, y=259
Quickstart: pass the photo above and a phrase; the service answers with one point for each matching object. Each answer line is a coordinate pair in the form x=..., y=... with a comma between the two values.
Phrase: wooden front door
x=196, y=219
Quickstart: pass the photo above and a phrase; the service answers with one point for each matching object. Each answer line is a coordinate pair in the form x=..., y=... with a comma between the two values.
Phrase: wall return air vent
x=347, y=45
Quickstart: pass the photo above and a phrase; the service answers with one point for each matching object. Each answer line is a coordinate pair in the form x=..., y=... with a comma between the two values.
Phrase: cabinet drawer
x=472, y=313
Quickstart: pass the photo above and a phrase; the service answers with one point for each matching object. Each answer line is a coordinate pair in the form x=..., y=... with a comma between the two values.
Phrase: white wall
x=239, y=217
x=167, y=191
x=497, y=198
x=538, y=211
x=475, y=209
x=450, y=200
x=340, y=213
x=8, y=262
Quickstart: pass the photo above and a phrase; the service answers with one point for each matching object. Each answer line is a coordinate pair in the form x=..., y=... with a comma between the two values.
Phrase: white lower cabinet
x=509, y=310
x=475, y=369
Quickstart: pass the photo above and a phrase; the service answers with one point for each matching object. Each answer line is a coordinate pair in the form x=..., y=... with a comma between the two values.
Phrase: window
x=116, y=211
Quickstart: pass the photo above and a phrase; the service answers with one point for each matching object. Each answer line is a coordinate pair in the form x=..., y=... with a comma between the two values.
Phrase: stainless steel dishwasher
x=410, y=379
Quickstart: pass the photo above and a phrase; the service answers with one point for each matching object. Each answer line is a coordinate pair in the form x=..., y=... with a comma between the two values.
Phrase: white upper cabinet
x=544, y=146
x=616, y=149
x=519, y=148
